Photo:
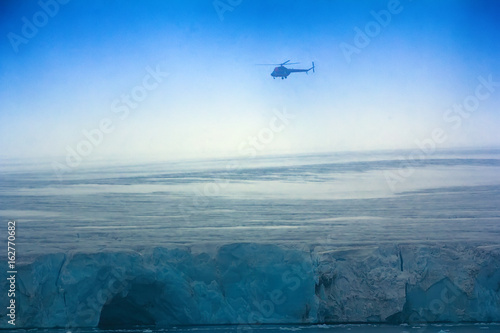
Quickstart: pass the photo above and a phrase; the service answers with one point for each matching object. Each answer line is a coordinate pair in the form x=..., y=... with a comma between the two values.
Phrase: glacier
x=249, y=283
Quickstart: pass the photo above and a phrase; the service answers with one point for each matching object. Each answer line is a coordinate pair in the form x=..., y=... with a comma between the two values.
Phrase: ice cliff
x=256, y=283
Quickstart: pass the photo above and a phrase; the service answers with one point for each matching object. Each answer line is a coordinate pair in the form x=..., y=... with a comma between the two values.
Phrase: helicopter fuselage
x=283, y=72
x=280, y=71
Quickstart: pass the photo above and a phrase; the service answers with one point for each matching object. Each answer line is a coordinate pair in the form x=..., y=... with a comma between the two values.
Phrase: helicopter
x=283, y=72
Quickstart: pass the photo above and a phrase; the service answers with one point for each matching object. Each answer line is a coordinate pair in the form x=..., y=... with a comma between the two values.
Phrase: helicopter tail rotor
x=307, y=71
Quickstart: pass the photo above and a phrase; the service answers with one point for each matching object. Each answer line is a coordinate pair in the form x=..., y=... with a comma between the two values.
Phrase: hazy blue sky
x=399, y=85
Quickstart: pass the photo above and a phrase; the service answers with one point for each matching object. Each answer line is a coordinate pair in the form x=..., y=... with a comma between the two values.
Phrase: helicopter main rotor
x=282, y=64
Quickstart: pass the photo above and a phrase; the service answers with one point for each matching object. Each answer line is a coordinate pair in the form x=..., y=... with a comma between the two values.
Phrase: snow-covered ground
x=308, y=239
